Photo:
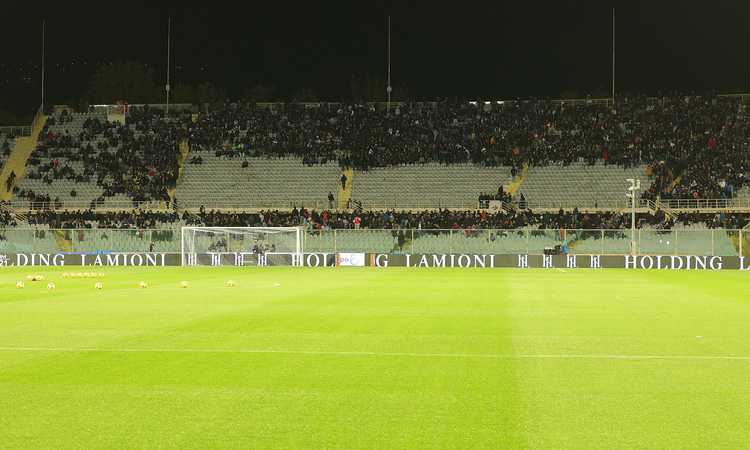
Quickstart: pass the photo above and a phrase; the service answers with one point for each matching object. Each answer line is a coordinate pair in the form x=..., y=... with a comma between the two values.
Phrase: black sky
x=497, y=49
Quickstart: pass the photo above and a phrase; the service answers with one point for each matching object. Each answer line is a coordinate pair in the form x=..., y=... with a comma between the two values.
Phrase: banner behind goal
x=280, y=246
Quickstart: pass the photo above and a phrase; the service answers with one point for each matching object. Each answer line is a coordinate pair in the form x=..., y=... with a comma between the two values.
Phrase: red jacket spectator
x=712, y=143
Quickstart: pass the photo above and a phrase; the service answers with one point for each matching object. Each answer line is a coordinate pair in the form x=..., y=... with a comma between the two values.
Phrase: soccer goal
x=241, y=246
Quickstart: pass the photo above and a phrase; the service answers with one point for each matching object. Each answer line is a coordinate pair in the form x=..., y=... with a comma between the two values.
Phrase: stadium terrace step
x=429, y=185
x=578, y=185
x=262, y=182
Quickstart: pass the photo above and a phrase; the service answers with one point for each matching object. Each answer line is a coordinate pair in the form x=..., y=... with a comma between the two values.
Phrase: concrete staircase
x=16, y=163
x=515, y=185
x=345, y=194
x=184, y=150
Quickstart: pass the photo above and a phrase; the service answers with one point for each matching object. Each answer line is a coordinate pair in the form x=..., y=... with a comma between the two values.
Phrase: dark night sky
x=464, y=49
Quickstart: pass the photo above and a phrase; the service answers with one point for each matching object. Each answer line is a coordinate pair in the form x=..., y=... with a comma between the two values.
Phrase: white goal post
x=241, y=246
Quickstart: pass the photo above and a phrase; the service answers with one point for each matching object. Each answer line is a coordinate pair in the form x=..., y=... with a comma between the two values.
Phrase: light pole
x=44, y=26
x=632, y=194
x=388, y=89
x=613, y=56
x=169, y=48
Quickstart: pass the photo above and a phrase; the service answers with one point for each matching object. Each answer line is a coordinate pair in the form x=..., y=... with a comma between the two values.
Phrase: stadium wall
x=384, y=260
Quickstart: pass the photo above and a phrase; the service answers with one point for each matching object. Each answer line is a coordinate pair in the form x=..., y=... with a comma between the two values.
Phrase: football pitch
x=375, y=358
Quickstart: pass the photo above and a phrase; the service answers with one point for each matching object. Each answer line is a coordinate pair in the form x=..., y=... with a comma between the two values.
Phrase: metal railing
x=704, y=242
x=15, y=131
x=113, y=205
x=569, y=205
x=381, y=105
x=743, y=203
x=108, y=109
x=674, y=206
x=223, y=204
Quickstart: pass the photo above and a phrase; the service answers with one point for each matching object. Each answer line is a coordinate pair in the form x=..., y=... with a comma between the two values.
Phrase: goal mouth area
x=258, y=246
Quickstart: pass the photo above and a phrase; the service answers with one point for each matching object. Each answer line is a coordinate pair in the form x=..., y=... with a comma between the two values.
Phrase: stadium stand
x=279, y=163
x=14, y=167
x=82, y=158
x=428, y=185
x=693, y=147
x=579, y=184
x=6, y=145
x=65, y=155
x=260, y=181
x=165, y=237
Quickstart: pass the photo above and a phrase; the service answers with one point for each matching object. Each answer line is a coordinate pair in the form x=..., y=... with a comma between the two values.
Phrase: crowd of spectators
x=138, y=159
x=635, y=129
x=4, y=148
x=695, y=146
x=136, y=219
x=501, y=195
x=325, y=220
x=7, y=219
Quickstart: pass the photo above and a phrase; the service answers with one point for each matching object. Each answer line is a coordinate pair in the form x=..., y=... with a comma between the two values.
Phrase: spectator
x=10, y=181
x=425, y=220
x=401, y=240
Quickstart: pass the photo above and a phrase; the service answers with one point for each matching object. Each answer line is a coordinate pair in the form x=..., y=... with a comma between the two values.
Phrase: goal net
x=241, y=246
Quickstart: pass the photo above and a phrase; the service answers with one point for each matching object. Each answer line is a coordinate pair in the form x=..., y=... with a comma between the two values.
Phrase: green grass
x=366, y=358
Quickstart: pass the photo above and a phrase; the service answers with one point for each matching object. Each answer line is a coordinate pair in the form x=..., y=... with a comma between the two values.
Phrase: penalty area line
x=384, y=354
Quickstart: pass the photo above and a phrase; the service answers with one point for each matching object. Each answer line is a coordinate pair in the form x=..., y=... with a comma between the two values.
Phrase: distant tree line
x=136, y=83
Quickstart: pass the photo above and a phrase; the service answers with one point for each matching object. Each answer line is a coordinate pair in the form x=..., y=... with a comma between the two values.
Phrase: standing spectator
x=712, y=143
x=10, y=181
x=401, y=240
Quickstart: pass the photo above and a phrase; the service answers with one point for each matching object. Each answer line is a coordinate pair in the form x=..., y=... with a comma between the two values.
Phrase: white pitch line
x=394, y=354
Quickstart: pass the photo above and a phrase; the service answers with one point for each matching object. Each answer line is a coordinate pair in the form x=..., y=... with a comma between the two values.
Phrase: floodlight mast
x=632, y=194
x=169, y=51
x=388, y=88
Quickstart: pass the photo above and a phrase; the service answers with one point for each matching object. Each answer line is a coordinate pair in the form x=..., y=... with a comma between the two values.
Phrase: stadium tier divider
x=680, y=241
